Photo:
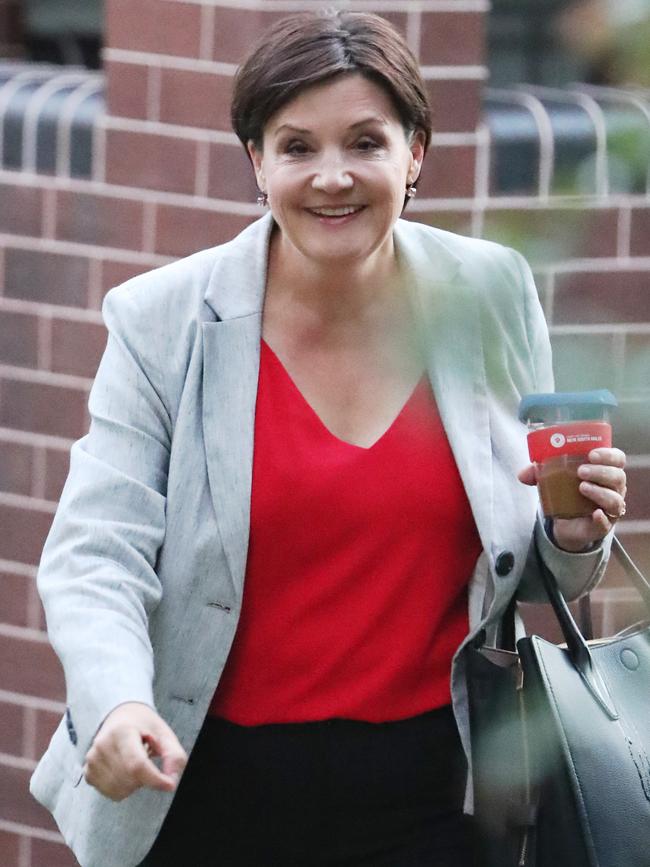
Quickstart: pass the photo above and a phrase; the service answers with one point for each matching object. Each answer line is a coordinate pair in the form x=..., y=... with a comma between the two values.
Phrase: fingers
x=528, y=475
x=605, y=476
x=120, y=759
x=166, y=745
x=611, y=502
x=610, y=457
x=604, y=481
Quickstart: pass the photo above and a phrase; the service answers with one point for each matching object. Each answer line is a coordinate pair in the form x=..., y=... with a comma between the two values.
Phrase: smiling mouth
x=342, y=211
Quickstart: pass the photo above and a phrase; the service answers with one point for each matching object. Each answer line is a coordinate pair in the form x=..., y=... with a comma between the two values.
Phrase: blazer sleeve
x=97, y=575
x=576, y=573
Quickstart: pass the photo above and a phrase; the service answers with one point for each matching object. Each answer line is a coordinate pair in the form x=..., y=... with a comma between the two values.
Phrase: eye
x=295, y=148
x=367, y=144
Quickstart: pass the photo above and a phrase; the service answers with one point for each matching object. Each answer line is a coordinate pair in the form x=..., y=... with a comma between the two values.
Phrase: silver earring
x=411, y=190
x=263, y=199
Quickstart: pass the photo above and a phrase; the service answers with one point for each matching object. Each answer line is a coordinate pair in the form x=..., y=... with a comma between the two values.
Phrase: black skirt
x=333, y=793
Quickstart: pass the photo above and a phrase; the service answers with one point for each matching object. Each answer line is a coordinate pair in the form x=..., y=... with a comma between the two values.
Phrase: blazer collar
x=238, y=279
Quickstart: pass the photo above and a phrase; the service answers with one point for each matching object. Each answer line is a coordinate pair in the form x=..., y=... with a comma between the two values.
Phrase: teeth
x=336, y=212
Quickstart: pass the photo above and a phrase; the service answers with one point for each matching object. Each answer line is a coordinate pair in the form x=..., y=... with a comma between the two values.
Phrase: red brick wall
x=169, y=178
x=10, y=29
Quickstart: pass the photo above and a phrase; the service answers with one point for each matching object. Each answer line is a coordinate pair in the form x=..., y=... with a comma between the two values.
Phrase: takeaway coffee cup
x=562, y=429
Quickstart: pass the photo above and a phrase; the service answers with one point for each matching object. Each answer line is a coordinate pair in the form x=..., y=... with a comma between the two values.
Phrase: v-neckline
x=320, y=421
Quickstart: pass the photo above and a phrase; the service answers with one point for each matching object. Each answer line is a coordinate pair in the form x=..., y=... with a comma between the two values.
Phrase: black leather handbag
x=561, y=743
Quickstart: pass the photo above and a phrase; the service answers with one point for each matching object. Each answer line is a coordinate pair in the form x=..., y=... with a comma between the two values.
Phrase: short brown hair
x=310, y=48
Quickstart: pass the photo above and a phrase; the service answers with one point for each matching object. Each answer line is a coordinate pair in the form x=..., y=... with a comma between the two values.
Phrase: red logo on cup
x=569, y=438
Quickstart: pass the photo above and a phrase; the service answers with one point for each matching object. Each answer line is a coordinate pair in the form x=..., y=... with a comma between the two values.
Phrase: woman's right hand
x=120, y=758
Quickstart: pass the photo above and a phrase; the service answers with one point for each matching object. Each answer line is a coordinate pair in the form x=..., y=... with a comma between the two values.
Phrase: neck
x=347, y=291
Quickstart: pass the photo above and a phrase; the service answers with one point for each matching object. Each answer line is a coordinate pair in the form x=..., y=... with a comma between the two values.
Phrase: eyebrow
x=364, y=122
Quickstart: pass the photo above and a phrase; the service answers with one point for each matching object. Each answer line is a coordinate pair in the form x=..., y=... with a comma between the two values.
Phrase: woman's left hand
x=604, y=482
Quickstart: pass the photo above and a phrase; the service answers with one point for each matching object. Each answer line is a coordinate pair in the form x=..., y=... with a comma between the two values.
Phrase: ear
x=256, y=157
x=416, y=146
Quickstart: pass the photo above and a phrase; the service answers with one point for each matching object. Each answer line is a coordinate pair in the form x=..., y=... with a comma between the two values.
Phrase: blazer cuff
x=576, y=573
x=84, y=717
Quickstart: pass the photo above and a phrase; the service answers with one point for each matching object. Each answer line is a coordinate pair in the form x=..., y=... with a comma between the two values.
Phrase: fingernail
x=595, y=456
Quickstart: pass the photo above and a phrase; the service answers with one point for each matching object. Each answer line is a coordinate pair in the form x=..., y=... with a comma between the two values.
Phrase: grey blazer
x=142, y=574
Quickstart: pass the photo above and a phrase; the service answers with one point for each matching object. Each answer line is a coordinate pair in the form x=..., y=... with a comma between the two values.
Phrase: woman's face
x=335, y=164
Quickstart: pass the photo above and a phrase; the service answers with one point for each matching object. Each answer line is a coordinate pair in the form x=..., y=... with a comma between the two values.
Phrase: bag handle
x=576, y=644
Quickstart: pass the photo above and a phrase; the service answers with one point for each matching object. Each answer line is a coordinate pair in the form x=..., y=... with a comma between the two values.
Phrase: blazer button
x=504, y=563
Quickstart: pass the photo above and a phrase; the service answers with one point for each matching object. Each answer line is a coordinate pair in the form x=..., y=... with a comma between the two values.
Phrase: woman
x=327, y=404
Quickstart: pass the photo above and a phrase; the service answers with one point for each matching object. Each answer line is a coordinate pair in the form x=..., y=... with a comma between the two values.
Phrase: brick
x=9, y=847
x=51, y=278
x=106, y=221
x=11, y=729
x=52, y=854
x=155, y=162
x=57, y=464
x=451, y=38
x=16, y=467
x=77, y=346
x=640, y=232
x=15, y=595
x=126, y=89
x=46, y=723
x=156, y=26
x=638, y=493
x=21, y=209
x=621, y=613
x=583, y=362
x=547, y=235
x=41, y=408
x=637, y=546
x=631, y=426
x=540, y=620
x=114, y=273
x=455, y=105
x=181, y=231
x=231, y=174
x=18, y=339
x=636, y=375
x=448, y=173
x=31, y=668
x=16, y=803
x=236, y=30
x=198, y=99
x=601, y=296
x=23, y=534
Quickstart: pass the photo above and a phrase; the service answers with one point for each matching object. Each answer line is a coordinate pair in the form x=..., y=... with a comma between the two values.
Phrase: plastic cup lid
x=538, y=407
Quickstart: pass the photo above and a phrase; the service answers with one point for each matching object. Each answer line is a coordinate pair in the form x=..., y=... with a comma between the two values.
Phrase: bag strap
x=635, y=575
x=576, y=644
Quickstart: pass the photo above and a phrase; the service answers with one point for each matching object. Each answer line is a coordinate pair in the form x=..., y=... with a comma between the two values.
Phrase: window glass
x=64, y=31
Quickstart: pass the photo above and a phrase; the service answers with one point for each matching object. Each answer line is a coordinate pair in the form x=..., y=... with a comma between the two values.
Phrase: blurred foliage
x=629, y=53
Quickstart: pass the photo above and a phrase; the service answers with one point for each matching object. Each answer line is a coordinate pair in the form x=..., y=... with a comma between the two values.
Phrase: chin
x=335, y=251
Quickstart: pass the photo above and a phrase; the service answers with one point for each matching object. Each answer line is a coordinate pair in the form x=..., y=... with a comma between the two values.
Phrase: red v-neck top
x=355, y=594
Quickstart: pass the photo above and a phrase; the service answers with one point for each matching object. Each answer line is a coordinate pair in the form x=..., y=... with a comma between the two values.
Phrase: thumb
x=528, y=475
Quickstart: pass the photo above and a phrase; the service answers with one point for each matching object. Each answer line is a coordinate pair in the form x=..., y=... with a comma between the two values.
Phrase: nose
x=332, y=174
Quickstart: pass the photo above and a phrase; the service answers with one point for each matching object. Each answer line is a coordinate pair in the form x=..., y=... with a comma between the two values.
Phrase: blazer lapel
x=448, y=311
x=231, y=357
